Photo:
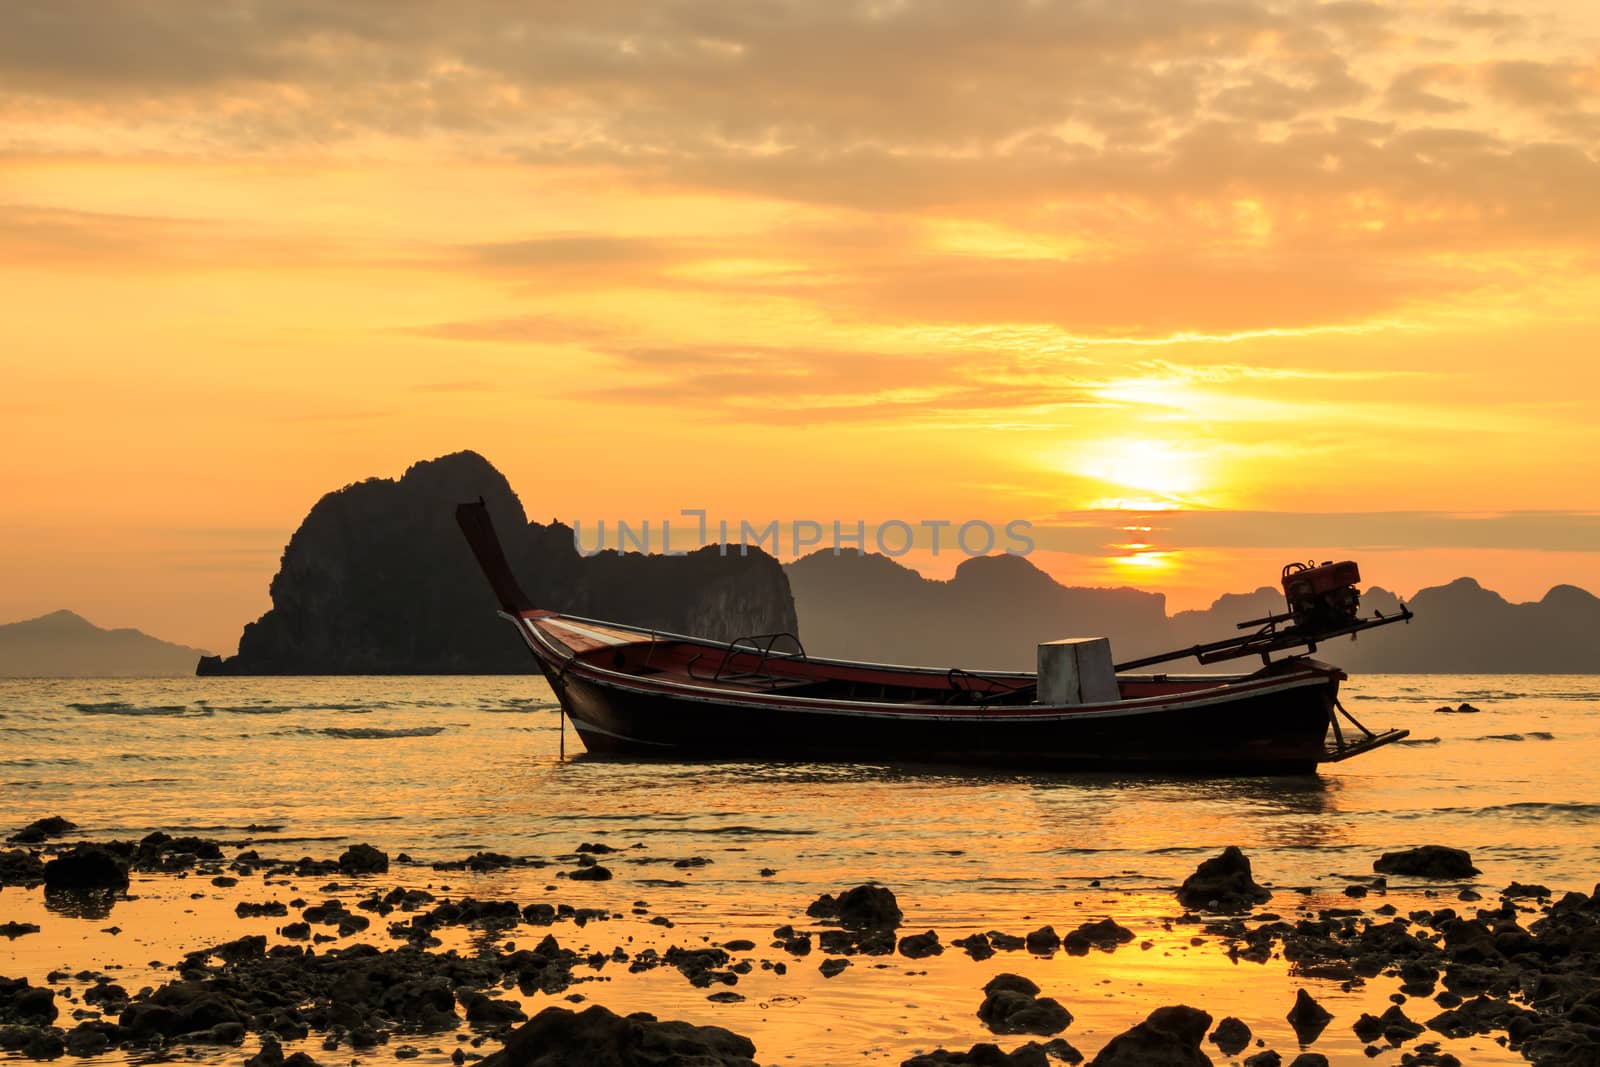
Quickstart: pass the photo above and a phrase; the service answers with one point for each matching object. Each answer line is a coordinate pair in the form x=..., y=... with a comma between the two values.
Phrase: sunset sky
x=1196, y=288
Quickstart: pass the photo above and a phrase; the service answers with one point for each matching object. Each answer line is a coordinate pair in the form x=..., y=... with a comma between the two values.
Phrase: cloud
x=572, y=251
x=39, y=235
x=1313, y=155
x=1412, y=90
x=1531, y=84
x=767, y=384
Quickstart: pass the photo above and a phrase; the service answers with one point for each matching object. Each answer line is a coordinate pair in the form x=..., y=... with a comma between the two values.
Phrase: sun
x=1152, y=474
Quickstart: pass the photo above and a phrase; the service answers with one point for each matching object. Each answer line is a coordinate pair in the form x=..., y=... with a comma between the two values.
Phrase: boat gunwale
x=1229, y=688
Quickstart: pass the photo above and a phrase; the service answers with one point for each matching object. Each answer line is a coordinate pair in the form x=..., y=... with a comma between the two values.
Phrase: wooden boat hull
x=1278, y=731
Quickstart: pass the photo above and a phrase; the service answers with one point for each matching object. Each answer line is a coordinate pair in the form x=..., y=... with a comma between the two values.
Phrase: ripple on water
x=117, y=707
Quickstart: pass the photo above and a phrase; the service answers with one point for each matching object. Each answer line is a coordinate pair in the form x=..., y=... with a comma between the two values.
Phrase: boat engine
x=1323, y=604
x=1322, y=597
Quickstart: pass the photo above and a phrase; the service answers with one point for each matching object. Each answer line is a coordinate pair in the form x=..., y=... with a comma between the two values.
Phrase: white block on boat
x=1077, y=670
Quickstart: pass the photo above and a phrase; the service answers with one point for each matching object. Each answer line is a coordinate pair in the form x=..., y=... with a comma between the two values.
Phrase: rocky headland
x=379, y=580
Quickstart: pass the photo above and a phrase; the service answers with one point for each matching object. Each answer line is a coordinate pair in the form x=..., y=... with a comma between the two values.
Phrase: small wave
x=1522, y=809
x=1419, y=741
x=518, y=709
x=41, y=761
x=735, y=831
x=117, y=707
x=373, y=733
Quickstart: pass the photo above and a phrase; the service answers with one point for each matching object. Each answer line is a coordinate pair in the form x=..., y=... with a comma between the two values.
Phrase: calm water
x=443, y=767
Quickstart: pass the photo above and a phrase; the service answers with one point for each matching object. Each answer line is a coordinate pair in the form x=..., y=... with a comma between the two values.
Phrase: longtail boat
x=635, y=691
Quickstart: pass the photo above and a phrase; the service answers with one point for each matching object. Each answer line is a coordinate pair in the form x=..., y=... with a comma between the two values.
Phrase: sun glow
x=1155, y=475
x=1142, y=561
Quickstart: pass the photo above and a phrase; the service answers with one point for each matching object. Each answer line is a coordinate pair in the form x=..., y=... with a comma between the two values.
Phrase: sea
x=439, y=768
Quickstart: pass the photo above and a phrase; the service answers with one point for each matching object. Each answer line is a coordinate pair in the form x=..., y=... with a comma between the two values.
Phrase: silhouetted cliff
x=66, y=645
x=991, y=614
x=378, y=580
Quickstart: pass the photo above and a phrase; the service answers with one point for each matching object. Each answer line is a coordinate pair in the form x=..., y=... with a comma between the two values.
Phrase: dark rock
x=1518, y=891
x=1032, y=1054
x=1232, y=1036
x=1368, y=1028
x=1309, y=1059
x=249, y=947
x=1429, y=1055
x=86, y=867
x=90, y=1038
x=1169, y=1037
x=13, y=930
x=34, y=1042
x=108, y=995
x=364, y=859
x=977, y=946
x=832, y=967
x=30, y=1005
x=1043, y=941
x=1012, y=1005
x=1223, y=884
x=597, y=873
x=864, y=907
x=1267, y=1058
x=1397, y=1027
x=20, y=867
x=338, y=608
x=270, y=1055
x=247, y=910
x=1308, y=1017
x=597, y=1037
x=1427, y=861
x=920, y=946
x=41, y=830
x=1104, y=934
x=146, y=1019
x=489, y=1011
x=230, y=1032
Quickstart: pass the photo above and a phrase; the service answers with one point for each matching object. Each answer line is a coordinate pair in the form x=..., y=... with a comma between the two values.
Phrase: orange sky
x=1236, y=262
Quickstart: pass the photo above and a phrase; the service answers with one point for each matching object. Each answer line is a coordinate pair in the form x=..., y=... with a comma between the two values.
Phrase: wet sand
x=614, y=947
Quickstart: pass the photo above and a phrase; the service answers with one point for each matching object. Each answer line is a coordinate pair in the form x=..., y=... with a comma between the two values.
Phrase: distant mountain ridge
x=990, y=615
x=996, y=610
x=63, y=644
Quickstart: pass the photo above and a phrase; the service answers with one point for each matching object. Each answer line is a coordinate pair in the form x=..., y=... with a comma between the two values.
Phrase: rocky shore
x=373, y=955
